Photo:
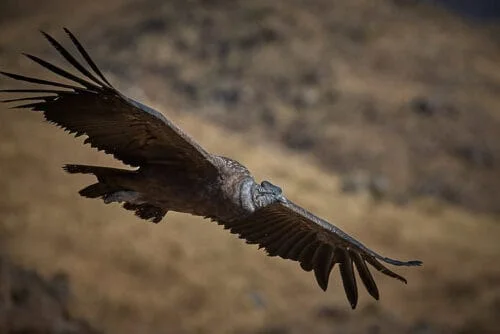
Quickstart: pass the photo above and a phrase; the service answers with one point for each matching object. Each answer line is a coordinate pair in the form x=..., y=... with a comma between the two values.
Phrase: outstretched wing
x=131, y=131
x=289, y=231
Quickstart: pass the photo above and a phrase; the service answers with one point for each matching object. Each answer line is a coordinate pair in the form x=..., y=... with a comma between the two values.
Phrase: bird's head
x=269, y=188
x=267, y=193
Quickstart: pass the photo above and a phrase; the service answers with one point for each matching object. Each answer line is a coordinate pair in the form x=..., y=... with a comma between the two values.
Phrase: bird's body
x=170, y=188
x=174, y=173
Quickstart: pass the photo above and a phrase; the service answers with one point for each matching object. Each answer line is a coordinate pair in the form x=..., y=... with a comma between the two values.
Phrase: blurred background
x=380, y=116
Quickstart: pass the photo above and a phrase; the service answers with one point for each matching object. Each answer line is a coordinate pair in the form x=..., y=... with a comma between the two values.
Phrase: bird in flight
x=174, y=173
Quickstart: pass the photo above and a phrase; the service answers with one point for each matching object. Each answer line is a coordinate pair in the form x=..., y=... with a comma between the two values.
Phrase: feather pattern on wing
x=291, y=232
x=134, y=133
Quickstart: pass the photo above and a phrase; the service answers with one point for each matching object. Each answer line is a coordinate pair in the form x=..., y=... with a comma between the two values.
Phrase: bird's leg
x=134, y=202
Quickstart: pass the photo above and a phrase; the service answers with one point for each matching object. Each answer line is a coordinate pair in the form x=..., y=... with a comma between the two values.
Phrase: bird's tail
x=96, y=170
x=109, y=179
x=112, y=187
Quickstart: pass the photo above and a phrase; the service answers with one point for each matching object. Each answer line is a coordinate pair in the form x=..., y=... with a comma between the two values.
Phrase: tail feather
x=96, y=170
x=111, y=183
x=109, y=179
x=97, y=190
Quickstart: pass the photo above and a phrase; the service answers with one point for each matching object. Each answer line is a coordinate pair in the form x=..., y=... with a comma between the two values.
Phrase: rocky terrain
x=30, y=304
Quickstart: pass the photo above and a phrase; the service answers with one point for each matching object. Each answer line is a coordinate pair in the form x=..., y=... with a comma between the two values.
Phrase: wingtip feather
x=46, y=35
x=86, y=56
x=415, y=263
x=7, y=74
x=412, y=263
x=348, y=277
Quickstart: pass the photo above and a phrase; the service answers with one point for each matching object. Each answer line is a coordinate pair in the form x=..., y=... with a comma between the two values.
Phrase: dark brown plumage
x=176, y=174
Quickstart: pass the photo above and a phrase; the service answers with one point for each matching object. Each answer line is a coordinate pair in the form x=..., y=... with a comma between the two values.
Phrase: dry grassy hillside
x=188, y=275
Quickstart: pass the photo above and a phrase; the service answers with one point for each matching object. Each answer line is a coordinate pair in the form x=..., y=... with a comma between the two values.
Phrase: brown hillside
x=343, y=75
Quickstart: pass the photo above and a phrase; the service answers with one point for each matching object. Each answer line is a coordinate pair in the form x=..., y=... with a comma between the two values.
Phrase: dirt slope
x=189, y=276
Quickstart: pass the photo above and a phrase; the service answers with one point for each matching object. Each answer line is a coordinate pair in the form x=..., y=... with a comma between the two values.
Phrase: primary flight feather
x=176, y=174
